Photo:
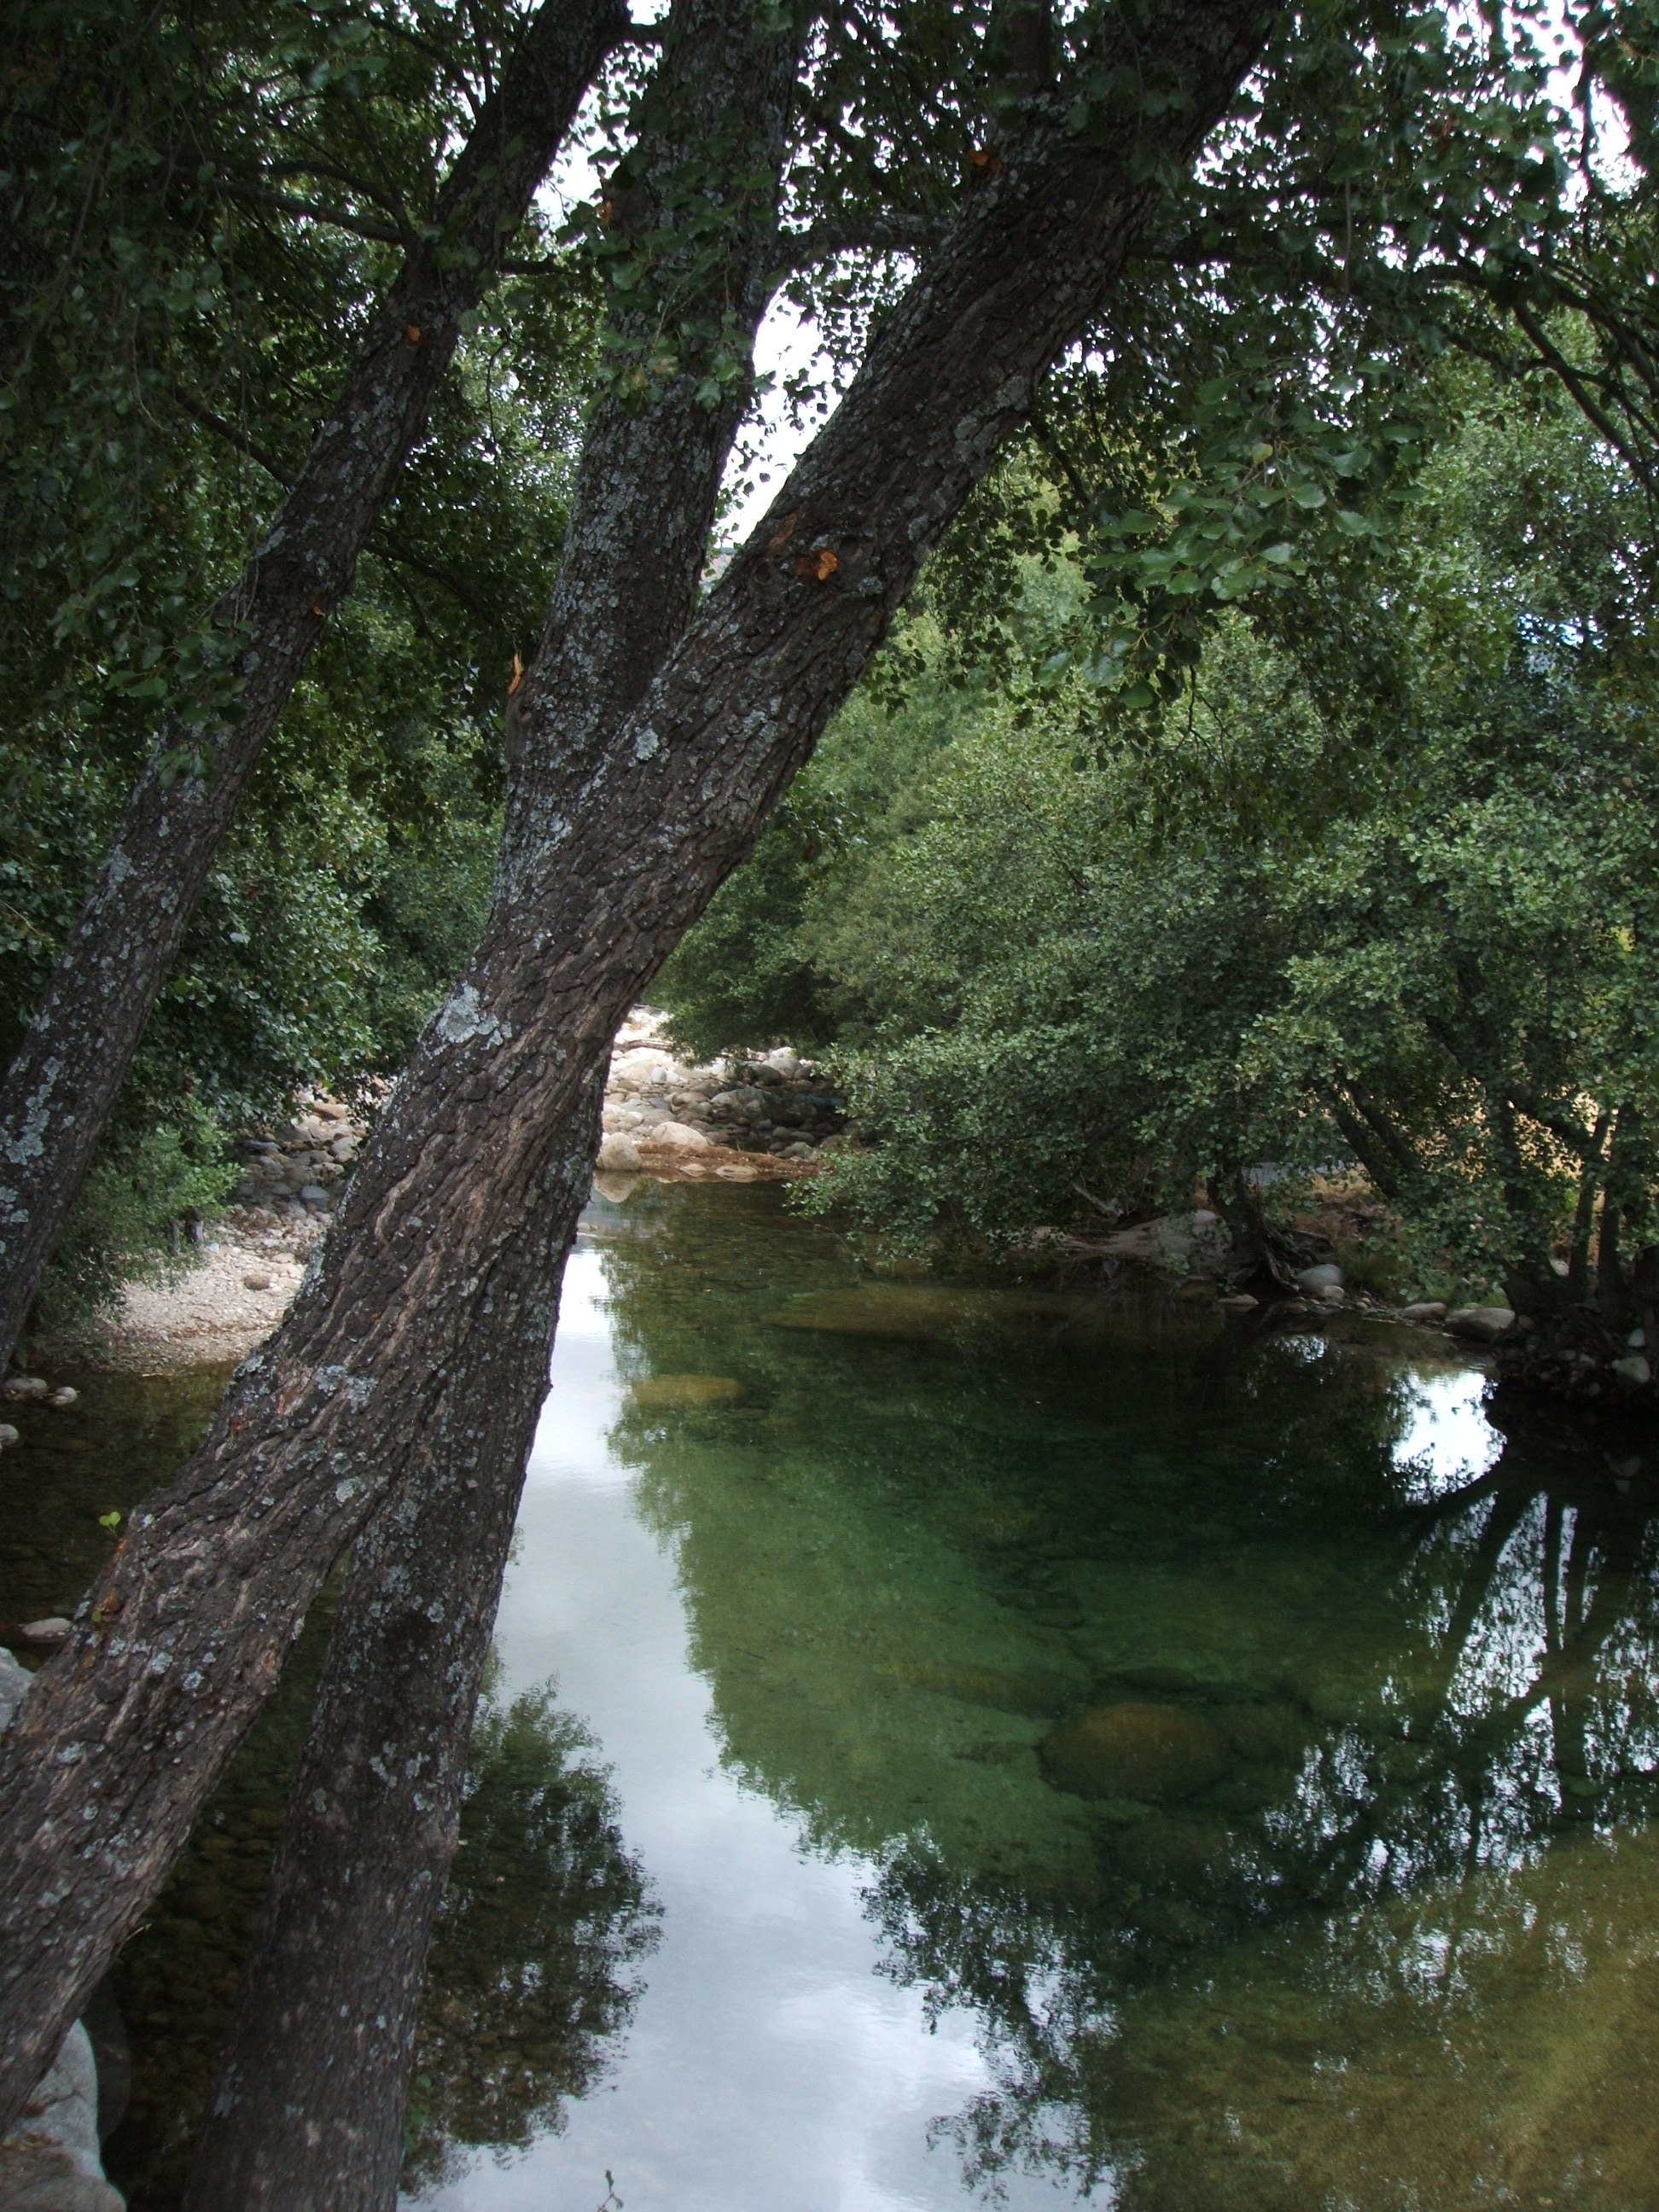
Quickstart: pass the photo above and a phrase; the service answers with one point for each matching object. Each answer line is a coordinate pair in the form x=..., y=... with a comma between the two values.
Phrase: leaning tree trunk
x=308, y=2110
x=307, y=2114
x=425, y=1285
x=63, y=1084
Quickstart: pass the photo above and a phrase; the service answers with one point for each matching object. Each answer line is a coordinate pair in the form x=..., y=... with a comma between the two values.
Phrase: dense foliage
x=1064, y=937
x=206, y=206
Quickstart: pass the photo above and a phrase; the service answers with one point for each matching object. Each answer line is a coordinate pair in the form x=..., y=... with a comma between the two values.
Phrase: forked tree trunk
x=63, y=1084
x=424, y=1293
x=308, y=2110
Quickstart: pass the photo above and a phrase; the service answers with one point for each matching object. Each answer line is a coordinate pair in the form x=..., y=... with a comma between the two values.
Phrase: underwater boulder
x=1155, y=1753
x=664, y=1392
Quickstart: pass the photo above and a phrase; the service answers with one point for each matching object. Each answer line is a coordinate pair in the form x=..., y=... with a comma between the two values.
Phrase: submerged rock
x=661, y=1393
x=1036, y=1697
x=1150, y=1752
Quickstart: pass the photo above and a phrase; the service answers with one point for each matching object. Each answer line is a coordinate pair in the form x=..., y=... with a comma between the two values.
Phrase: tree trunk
x=308, y=2111
x=63, y=1084
x=307, y=2114
x=423, y=1294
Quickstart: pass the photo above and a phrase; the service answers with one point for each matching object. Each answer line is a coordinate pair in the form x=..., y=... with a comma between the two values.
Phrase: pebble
x=66, y=1395
x=1633, y=1368
x=256, y=1282
x=314, y=1194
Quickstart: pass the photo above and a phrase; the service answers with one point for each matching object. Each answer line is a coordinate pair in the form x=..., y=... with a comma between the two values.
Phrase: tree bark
x=307, y=2114
x=428, y=1286
x=63, y=1084
x=308, y=2110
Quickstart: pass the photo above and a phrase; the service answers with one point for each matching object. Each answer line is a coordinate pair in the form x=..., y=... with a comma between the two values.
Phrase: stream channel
x=953, y=1745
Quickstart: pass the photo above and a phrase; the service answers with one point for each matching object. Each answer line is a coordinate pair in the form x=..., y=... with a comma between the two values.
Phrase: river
x=953, y=1745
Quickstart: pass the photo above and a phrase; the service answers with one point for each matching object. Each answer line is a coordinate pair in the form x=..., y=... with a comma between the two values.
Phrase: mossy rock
x=1154, y=1753
x=659, y=1393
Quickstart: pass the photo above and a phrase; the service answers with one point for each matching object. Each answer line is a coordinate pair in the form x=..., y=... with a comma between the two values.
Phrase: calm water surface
x=949, y=1744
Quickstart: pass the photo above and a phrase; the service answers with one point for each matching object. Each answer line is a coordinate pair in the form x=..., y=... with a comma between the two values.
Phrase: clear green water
x=1086, y=1754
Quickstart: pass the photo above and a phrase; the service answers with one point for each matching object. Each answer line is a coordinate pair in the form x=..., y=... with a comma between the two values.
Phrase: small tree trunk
x=63, y=1084
x=1583, y=1218
x=419, y=1298
x=327, y=2017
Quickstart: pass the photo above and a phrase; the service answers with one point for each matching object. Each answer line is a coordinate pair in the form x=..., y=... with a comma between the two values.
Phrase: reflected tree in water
x=533, y=1973
x=1394, y=1939
x=534, y=1967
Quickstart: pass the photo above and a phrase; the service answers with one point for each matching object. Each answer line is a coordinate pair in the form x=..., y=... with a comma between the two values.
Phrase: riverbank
x=665, y=1119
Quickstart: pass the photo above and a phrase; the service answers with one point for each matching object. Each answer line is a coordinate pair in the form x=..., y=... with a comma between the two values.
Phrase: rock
x=25, y=1386
x=797, y=1153
x=52, y=1628
x=1638, y=1339
x=665, y=1393
x=15, y=1681
x=7, y=1435
x=841, y=1142
x=676, y=1136
x=1482, y=1324
x=1324, y=1281
x=748, y=1102
x=1178, y=1241
x=1239, y=1302
x=256, y=1282
x=66, y=1395
x=618, y=1154
x=1633, y=1368
x=784, y=1061
x=1424, y=1310
x=49, y=2161
x=1153, y=1753
x=314, y=1194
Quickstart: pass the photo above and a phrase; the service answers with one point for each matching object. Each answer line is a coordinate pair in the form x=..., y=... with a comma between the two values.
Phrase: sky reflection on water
x=1351, y=1909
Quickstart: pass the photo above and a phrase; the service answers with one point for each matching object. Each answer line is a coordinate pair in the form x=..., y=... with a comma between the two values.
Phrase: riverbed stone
x=1481, y=1324
x=1424, y=1310
x=1633, y=1368
x=1156, y=1752
x=618, y=1153
x=1324, y=1281
x=51, y=1628
x=676, y=1136
x=8, y=1434
x=24, y=1386
x=676, y=1393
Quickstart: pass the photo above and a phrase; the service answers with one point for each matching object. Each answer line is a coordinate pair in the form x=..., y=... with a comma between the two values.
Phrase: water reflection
x=1254, y=1740
x=535, y=1962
